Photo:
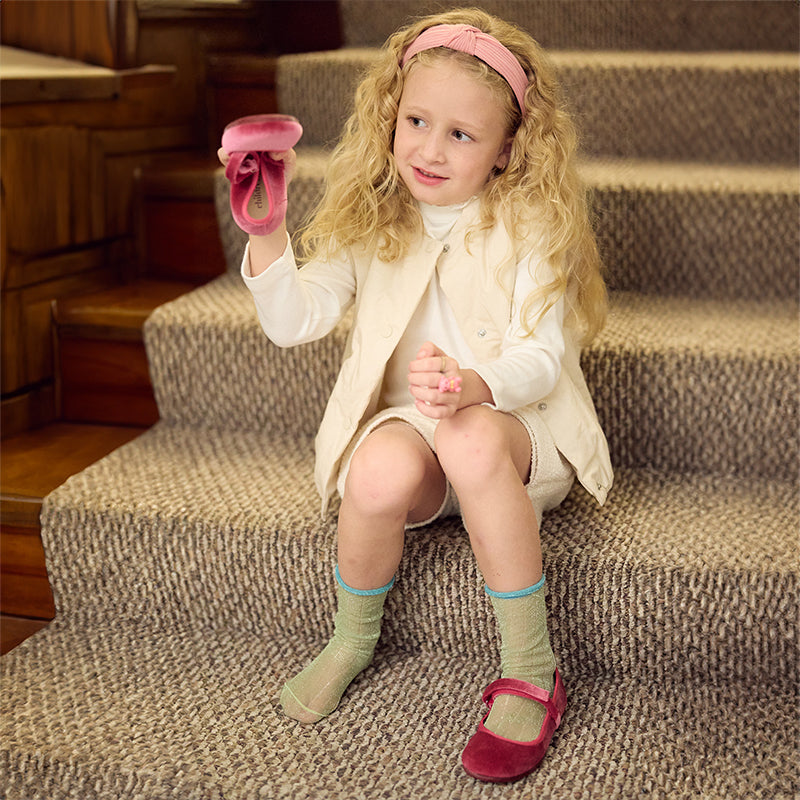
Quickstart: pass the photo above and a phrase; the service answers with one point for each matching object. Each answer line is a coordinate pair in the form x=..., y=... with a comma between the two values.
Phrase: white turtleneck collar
x=439, y=220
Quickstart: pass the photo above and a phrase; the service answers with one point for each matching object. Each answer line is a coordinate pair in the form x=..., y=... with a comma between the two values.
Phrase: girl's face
x=450, y=134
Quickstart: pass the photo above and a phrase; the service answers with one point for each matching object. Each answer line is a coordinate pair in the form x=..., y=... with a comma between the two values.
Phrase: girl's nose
x=433, y=148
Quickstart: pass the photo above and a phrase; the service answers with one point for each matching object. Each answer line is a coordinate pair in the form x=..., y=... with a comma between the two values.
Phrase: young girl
x=454, y=224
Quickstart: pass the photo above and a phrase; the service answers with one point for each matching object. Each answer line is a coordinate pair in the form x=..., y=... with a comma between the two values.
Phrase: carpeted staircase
x=193, y=574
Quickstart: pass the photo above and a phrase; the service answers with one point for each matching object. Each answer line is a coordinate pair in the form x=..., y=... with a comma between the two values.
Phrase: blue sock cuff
x=361, y=592
x=518, y=593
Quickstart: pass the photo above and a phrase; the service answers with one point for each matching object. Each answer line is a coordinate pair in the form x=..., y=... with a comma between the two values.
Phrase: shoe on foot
x=493, y=758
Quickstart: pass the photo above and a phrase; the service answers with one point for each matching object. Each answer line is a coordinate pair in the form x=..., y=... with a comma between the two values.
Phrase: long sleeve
x=296, y=306
x=529, y=366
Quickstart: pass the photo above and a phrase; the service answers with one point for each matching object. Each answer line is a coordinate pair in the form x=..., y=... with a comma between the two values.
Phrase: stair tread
x=734, y=61
x=36, y=462
x=636, y=321
x=690, y=176
x=652, y=174
x=650, y=322
x=124, y=307
x=179, y=711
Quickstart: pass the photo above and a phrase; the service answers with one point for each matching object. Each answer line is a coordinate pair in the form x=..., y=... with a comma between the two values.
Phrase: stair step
x=678, y=228
x=669, y=228
x=677, y=562
x=679, y=383
x=117, y=313
x=103, y=374
x=689, y=385
x=215, y=329
x=707, y=25
x=188, y=712
x=32, y=465
x=180, y=228
x=676, y=106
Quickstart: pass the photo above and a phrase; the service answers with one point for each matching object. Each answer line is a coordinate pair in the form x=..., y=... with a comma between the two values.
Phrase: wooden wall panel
x=118, y=158
x=12, y=342
x=45, y=188
x=70, y=158
x=98, y=32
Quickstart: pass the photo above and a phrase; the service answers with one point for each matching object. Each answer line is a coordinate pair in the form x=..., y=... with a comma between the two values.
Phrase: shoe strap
x=522, y=689
x=240, y=166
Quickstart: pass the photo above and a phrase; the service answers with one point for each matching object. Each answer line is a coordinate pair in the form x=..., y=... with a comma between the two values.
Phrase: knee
x=384, y=476
x=471, y=447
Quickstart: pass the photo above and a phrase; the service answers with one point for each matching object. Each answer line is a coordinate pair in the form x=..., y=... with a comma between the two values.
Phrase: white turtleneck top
x=526, y=371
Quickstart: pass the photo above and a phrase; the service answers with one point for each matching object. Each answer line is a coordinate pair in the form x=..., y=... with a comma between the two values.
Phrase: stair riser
x=247, y=382
x=700, y=108
x=683, y=410
x=106, y=381
x=706, y=240
x=691, y=412
x=651, y=621
x=716, y=244
x=606, y=24
x=673, y=113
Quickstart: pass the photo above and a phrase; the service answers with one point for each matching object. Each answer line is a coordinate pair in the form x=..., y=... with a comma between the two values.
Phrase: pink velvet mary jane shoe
x=493, y=758
x=258, y=186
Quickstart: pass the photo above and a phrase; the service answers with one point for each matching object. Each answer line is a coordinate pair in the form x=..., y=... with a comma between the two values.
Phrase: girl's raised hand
x=434, y=380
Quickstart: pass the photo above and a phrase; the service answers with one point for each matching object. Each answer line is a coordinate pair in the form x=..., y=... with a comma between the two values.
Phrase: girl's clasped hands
x=435, y=382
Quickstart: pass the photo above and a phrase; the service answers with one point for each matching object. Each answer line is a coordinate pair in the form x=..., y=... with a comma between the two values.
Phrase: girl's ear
x=505, y=155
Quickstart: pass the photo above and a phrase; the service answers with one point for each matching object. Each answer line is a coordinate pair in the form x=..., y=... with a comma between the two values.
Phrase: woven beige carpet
x=193, y=573
x=673, y=612
x=191, y=713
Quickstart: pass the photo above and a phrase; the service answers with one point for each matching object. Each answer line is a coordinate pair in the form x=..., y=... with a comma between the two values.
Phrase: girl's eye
x=416, y=122
x=460, y=136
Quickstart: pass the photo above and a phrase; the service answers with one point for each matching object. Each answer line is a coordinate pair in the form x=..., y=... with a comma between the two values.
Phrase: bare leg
x=486, y=456
x=393, y=478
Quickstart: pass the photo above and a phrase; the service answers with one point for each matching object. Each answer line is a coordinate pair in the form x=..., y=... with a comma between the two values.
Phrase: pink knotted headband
x=475, y=42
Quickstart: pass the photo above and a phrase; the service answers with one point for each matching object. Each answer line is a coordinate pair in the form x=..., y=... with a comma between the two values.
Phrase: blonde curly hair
x=366, y=203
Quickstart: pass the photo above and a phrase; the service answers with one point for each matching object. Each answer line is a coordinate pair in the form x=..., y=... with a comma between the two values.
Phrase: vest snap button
x=446, y=248
x=482, y=332
x=542, y=406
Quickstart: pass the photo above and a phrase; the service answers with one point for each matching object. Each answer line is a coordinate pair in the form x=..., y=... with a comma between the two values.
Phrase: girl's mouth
x=428, y=178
